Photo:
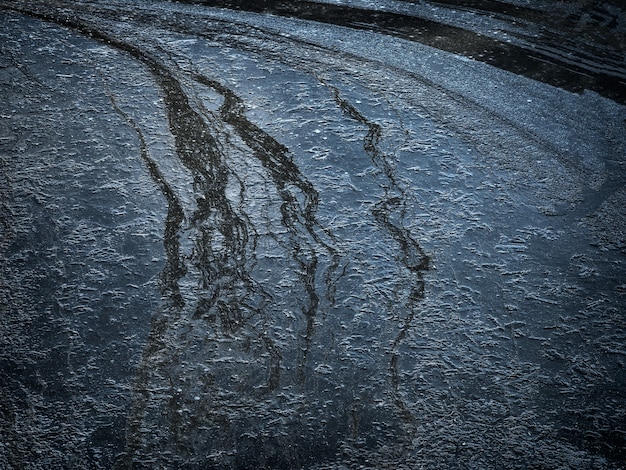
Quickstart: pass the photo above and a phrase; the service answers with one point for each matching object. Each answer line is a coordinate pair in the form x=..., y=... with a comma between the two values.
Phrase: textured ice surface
x=237, y=240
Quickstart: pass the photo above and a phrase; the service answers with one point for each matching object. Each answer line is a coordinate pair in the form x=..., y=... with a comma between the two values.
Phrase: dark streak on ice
x=274, y=156
x=536, y=64
x=174, y=268
x=413, y=256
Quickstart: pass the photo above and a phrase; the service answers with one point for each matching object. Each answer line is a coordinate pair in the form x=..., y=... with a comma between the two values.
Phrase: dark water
x=323, y=235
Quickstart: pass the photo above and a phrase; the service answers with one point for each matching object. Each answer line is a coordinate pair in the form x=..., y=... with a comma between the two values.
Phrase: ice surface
x=240, y=240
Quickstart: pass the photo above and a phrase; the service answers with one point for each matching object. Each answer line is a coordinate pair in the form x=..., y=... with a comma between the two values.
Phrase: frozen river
x=312, y=235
